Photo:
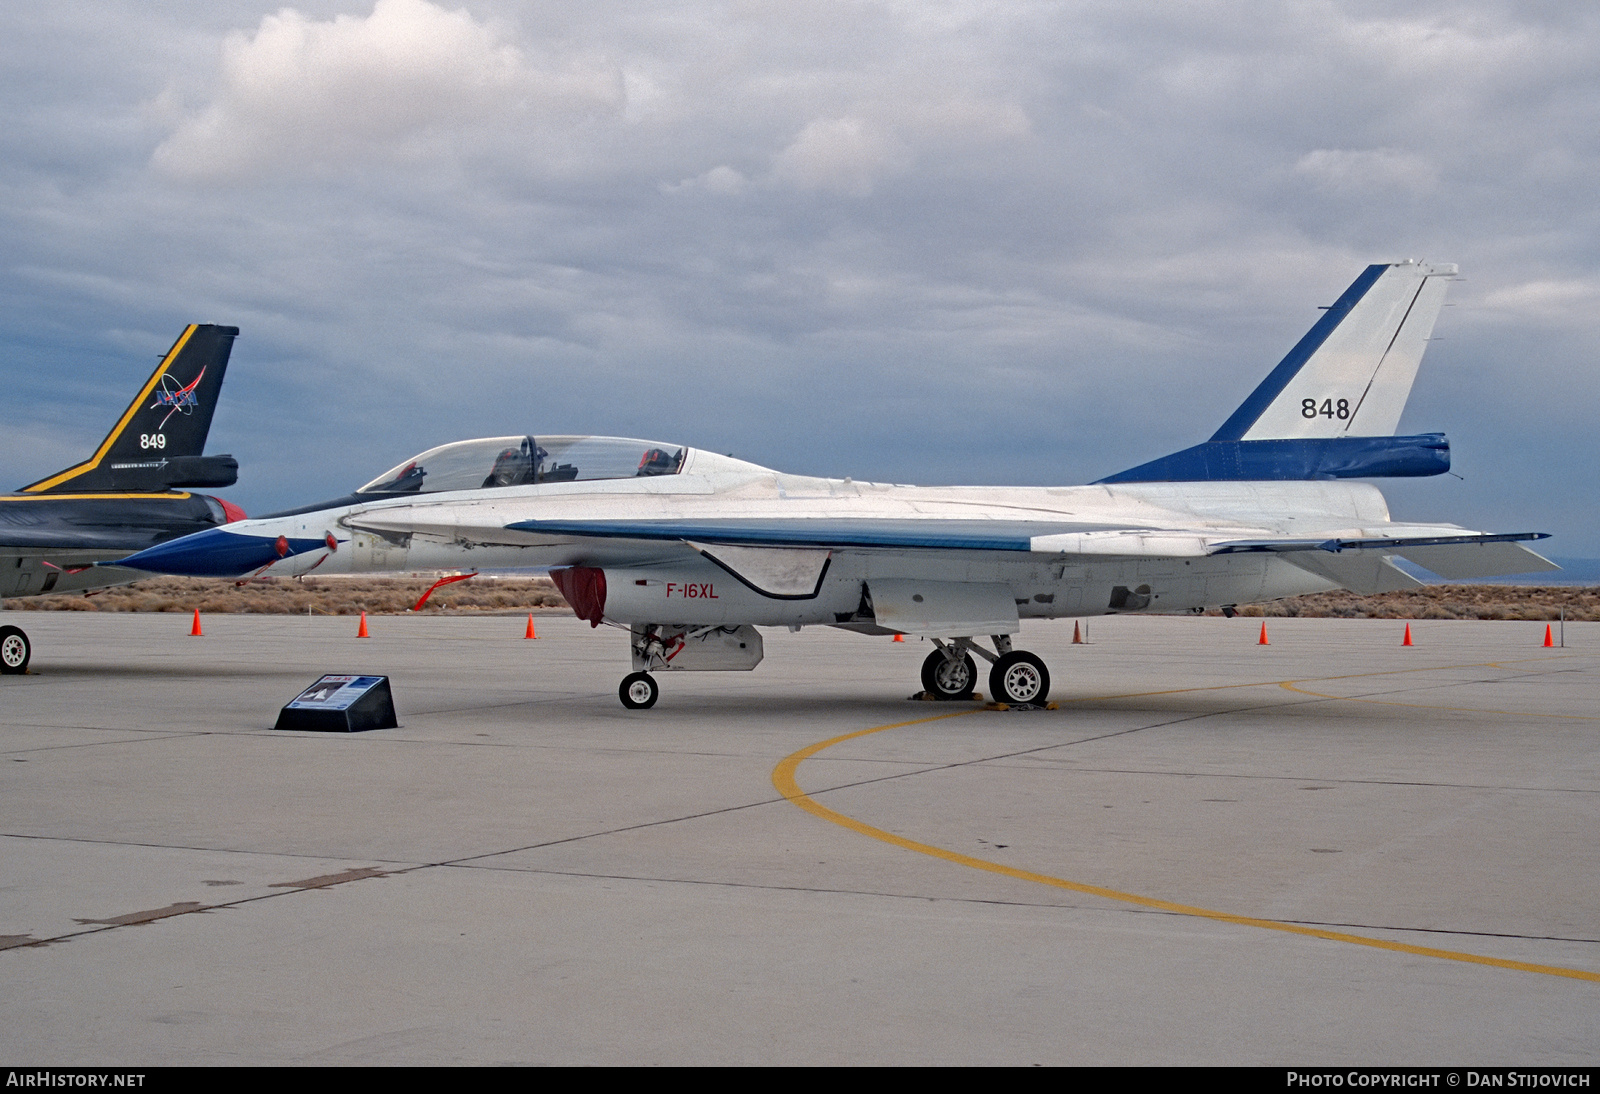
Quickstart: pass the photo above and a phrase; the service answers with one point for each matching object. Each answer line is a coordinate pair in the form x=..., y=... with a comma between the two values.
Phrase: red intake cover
x=585, y=589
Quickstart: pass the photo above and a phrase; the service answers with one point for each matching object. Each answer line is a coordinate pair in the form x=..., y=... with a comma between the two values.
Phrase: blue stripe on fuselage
x=215, y=552
x=971, y=535
x=1297, y=459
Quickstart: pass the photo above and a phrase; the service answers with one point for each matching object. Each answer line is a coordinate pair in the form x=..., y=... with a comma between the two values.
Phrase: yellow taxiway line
x=783, y=779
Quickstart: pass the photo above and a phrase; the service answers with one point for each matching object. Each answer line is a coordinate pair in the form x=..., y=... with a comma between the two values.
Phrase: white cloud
x=977, y=121
x=1367, y=171
x=842, y=156
x=719, y=180
x=405, y=82
x=1564, y=300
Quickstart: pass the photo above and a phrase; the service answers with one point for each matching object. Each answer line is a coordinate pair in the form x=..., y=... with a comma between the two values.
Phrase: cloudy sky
x=922, y=242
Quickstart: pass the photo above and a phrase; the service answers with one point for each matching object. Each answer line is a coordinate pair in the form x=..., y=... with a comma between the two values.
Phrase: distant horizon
x=1576, y=572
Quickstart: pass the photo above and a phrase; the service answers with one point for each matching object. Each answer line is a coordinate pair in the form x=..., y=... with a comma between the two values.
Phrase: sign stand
x=341, y=704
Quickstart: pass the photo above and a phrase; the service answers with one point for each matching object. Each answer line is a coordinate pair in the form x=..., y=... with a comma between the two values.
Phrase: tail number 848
x=152, y=440
x=1328, y=409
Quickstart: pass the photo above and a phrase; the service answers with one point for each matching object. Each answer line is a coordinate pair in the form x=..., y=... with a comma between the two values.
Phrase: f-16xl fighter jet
x=129, y=495
x=689, y=552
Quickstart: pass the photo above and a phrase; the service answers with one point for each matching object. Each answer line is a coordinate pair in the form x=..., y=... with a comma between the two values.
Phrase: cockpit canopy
x=522, y=461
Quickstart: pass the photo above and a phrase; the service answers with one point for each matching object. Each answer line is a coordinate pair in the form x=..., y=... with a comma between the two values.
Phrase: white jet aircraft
x=691, y=551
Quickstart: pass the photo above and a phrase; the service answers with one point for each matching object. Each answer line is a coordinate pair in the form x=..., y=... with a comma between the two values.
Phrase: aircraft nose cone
x=216, y=553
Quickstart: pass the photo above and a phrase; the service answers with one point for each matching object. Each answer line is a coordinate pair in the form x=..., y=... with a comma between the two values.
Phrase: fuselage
x=47, y=537
x=992, y=536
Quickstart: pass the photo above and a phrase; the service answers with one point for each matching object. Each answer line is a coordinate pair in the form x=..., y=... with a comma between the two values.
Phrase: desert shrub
x=340, y=595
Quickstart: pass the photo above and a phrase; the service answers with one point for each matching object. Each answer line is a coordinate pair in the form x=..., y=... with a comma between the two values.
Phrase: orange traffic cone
x=1406, y=641
x=899, y=638
x=196, y=632
x=1262, y=641
x=1549, y=639
x=1077, y=635
x=529, y=633
x=361, y=631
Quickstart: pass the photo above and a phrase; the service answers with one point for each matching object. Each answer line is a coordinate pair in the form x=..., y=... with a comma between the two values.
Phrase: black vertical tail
x=158, y=442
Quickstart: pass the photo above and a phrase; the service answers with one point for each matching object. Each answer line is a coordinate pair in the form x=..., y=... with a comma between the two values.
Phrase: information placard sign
x=342, y=704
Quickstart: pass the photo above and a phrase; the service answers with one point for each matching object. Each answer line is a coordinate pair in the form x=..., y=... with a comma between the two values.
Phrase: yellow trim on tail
x=179, y=494
x=127, y=416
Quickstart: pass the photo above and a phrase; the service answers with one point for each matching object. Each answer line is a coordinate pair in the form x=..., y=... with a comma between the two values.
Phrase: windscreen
x=521, y=461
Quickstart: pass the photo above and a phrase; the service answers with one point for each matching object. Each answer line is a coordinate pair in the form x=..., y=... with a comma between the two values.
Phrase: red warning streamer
x=417, y=607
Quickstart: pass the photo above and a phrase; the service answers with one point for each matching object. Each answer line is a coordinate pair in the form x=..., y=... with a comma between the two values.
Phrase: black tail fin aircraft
x=132, y=493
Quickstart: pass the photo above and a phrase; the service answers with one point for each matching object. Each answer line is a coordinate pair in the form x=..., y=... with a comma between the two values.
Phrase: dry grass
x=509, y=595
x=1536, y=602
x=321, y=596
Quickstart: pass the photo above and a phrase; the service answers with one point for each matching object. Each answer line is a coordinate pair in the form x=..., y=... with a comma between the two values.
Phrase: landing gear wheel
x=1019, y=677
x=638, y=691
x=943, y=678
x=15, y=650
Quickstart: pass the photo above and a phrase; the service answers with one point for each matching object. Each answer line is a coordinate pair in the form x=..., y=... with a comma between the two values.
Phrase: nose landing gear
x=15, y=649
x=638, y=691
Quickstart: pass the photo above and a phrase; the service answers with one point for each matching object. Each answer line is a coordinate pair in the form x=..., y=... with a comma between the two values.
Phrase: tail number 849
x=152, y=440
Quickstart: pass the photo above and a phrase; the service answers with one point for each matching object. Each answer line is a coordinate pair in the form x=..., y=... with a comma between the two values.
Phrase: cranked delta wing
x=690, y=552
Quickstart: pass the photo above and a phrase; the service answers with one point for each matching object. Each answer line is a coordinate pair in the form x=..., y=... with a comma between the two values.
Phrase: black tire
x=946, y=679
x=1019, y=677
x=15, y=650
x=638, y=691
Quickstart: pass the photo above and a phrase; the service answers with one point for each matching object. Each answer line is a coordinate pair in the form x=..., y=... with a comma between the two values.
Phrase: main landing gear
x=1017, y=676
x=949, y=677
x=15, y=649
